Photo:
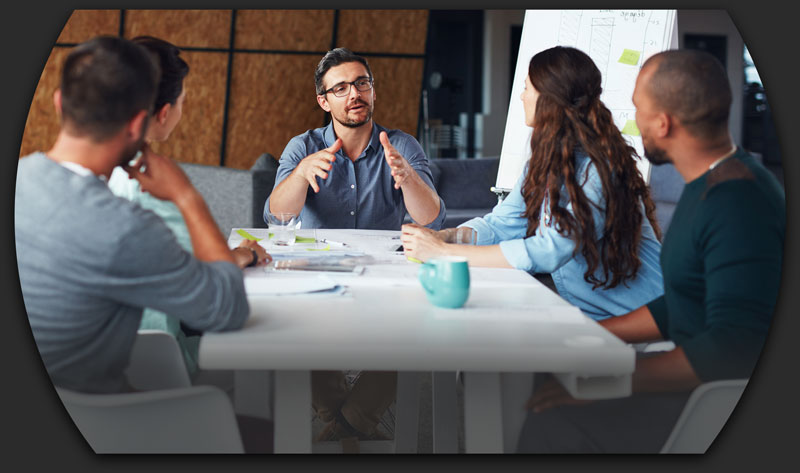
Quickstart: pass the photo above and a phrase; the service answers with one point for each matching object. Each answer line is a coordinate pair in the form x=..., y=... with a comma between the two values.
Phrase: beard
x=350, y=123
x=655, y=155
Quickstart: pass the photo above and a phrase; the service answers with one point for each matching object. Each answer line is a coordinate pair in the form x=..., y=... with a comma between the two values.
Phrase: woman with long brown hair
x=580, y=211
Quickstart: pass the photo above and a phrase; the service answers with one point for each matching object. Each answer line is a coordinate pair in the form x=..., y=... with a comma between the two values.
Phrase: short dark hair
x=693, y=86
x=105, y=82
x=173, y=69
x=333, y=58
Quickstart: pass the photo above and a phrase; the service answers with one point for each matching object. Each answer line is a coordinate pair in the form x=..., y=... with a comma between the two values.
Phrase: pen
x=334, y=243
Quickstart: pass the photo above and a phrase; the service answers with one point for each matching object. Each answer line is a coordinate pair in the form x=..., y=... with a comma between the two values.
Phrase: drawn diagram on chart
x=618, y=41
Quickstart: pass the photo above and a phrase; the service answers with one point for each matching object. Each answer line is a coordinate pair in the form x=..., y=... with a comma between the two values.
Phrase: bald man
x=721, y=261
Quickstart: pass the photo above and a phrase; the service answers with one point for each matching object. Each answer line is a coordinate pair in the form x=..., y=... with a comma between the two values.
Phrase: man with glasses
x=353, y=173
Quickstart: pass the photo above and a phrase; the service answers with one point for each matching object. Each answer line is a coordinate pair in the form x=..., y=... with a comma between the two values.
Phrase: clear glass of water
x=283, y=227
x=466, y=236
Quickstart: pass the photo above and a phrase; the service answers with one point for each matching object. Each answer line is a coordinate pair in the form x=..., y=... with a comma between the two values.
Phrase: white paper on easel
x=618, y=41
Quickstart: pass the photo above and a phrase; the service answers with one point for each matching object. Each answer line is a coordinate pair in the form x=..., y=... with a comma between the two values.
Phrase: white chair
x=156, y=362
x=170, y=417
x=706, y=412
x=198, y=419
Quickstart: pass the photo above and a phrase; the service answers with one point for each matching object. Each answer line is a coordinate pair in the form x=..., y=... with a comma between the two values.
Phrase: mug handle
x=426, y=272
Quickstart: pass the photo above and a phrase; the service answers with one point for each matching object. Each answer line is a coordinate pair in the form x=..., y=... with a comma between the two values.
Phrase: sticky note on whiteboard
x=630, y=57
x=630, y=128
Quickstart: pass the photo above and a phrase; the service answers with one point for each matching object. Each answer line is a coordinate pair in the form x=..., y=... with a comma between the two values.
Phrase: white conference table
x=510, y=324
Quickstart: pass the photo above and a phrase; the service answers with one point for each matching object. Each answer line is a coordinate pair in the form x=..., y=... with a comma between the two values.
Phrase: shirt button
x=352, y=213
x=352, y=186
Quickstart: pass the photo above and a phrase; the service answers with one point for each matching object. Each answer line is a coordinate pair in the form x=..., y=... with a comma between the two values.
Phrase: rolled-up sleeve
x=547, y=250
x=294, y=152
x=414, y=154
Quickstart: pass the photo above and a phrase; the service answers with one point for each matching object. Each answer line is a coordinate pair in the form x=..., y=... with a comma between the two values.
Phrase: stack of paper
x=281, y=286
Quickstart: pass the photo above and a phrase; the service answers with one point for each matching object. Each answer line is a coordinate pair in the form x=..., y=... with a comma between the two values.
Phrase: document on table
x=556, y=315
x=281, y=286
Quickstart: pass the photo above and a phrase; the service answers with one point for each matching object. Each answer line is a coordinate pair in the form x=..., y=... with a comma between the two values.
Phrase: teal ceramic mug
x=446, y=281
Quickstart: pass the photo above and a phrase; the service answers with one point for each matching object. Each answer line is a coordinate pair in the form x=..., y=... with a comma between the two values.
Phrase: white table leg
x=516, y=389
x=252, y=393
x=292, y=412
x=445, y=412
x=483, y=416
x=406, y=423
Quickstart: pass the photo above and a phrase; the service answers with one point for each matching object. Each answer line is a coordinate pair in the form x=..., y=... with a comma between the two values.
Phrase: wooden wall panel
x=198, y=136
x=86, y=24
x=183, y=28
x=259, y=118
x=272, y=100
x=398, y=88
x=42, y=125
x=383, y=31
x=293, y=30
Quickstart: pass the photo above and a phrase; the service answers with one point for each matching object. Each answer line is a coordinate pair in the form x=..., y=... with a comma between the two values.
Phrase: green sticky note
x=327, y=248
x=630, y=128
x=630, y=57
x=248, y=236
x=304, y=240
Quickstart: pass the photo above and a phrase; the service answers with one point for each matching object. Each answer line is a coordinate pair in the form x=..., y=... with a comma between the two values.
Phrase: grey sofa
x=236, y=197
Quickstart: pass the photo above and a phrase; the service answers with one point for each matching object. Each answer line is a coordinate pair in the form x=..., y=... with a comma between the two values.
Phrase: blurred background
x=441, y=75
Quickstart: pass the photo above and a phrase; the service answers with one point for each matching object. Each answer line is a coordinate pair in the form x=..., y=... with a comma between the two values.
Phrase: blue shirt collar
x=374, y=142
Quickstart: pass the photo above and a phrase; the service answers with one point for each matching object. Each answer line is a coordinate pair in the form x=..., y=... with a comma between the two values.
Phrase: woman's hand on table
x=422, y=243
x=245, y=258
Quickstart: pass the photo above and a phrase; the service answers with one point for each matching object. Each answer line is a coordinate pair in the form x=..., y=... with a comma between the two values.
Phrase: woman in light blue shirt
x=580, y=211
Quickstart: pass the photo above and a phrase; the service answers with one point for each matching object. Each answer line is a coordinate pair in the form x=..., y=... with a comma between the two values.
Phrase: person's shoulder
x=310, y=140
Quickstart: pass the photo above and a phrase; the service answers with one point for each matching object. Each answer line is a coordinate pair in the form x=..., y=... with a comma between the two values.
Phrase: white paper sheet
x=278, y=286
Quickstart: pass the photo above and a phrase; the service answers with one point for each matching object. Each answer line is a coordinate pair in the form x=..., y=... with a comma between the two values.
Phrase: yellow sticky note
x=247, y=236
x=413, y=260
x=630, y=57
x=630, y=128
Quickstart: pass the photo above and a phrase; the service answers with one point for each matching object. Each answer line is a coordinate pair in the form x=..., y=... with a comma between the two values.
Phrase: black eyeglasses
x=343, y=88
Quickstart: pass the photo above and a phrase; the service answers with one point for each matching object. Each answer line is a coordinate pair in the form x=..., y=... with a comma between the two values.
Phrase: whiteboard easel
x=618, y=41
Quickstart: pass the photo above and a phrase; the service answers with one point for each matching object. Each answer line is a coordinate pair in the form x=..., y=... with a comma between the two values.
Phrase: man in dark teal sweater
x=721, y=260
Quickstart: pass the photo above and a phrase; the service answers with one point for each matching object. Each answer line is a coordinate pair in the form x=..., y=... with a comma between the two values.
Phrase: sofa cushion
x=466, y=183
x=227, y=192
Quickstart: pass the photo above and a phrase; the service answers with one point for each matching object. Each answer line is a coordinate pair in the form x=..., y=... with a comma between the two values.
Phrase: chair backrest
x=199, y=419
x=228, y=193
x=156, y=362
x=706, y=412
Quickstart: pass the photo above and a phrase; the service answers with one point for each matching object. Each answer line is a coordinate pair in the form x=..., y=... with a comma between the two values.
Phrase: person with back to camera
x=167, y=113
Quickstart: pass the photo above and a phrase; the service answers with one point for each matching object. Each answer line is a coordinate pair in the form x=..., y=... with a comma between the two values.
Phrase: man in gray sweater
x=89, y=262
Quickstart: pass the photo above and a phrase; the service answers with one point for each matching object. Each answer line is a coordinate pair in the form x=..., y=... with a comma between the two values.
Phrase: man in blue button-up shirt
x=353, y=173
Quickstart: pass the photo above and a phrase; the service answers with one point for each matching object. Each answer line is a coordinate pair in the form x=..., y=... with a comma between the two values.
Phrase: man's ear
x=323, y=102
x=665, y=124
x=137, y=126
x=57, y=102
